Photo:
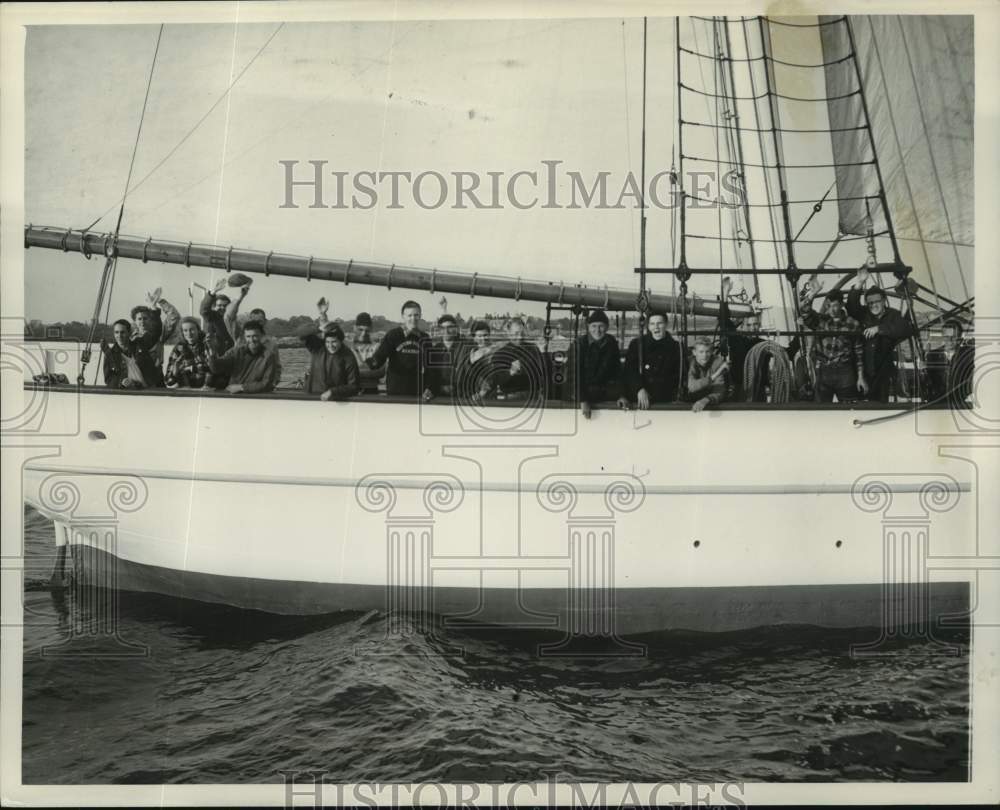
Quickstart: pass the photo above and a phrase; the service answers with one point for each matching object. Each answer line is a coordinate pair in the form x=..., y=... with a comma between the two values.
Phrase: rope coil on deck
x=781, y=375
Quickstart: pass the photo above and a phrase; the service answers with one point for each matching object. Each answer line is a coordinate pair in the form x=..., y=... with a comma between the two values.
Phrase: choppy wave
x=192, y=693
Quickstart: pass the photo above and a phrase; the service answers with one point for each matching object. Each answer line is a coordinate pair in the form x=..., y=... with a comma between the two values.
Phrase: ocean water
x=218, y=695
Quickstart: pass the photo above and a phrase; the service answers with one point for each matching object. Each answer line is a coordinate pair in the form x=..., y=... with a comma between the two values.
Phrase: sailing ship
x=524, y=515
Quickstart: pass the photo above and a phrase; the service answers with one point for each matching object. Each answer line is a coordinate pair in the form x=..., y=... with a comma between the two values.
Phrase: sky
x=443, y=96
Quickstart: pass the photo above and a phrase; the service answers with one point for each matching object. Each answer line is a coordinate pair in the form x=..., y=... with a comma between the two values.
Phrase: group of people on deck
x=849, y=346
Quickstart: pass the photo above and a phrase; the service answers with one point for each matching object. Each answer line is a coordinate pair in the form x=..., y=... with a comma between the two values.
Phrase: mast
x=347, y=271
x=740, y=158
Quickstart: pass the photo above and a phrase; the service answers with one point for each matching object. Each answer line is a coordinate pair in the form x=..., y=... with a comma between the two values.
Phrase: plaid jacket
x=837, y=350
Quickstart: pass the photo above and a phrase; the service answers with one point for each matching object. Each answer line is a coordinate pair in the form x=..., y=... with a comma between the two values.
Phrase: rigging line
x=286, y=124
x=111, y=257
x=783, y=166
x=763, y=58
x=138, y=133
x=225, y=138
x=935, y=241
x=701, y=72
x=718, y=165
x=930, y=152
x=816, y=209
x=642, y=188
x=807, y=25
x=780, y=129
x=902, y=161
x=822, y=99
x=772, y=104
x=761, y=149
x=737, y=137
x=641, y=303
x=628, y=132
x=803, y=202
x=782, y=240
x=200, y=121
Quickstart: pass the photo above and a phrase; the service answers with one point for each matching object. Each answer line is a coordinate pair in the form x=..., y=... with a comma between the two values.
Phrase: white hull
x=201, y=495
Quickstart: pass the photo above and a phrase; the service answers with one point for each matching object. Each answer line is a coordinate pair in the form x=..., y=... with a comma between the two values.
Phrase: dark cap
x=835, y=295
x=363, y=319
x=447, y=319
x=597, y=316
x=333, y=330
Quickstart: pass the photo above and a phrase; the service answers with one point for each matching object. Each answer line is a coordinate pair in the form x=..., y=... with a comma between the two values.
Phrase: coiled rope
x=757, y=361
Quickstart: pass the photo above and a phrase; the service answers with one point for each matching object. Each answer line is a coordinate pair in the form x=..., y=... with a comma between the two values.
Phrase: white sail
x=917, y=72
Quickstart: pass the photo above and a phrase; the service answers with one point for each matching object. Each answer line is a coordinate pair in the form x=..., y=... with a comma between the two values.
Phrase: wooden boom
x=352, y=272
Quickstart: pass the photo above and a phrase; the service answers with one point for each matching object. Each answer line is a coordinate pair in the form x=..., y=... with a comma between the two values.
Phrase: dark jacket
x=214, y=326
x=949, y=381
x=337, y=372
x=735, y=345
x=116, y=366
x=404, y=357
x=662, y=364
x=701, y=385
x=878, y=353
x=593, y=370
x=472, y=376
x=530, y=377
x=255, y=372
x=442, y=366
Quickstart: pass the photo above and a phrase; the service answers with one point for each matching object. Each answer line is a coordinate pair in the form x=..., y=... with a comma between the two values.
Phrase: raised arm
x=205, y=307
x=233, y=309
x=170, y=318
x=853, y=303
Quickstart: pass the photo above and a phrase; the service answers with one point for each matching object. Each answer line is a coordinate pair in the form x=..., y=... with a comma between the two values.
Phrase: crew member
x=882, y=328
x=593, y=367
x=444, y=360
x=403, y=351
x=333, y=368
x=519, y=372
x=127, y=363
x=658, y=378
x=838, y=360
x=363, y=347
x=248, y=367
x=708, y=376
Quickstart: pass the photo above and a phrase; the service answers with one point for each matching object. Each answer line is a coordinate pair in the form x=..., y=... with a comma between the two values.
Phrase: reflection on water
x=193, y=693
